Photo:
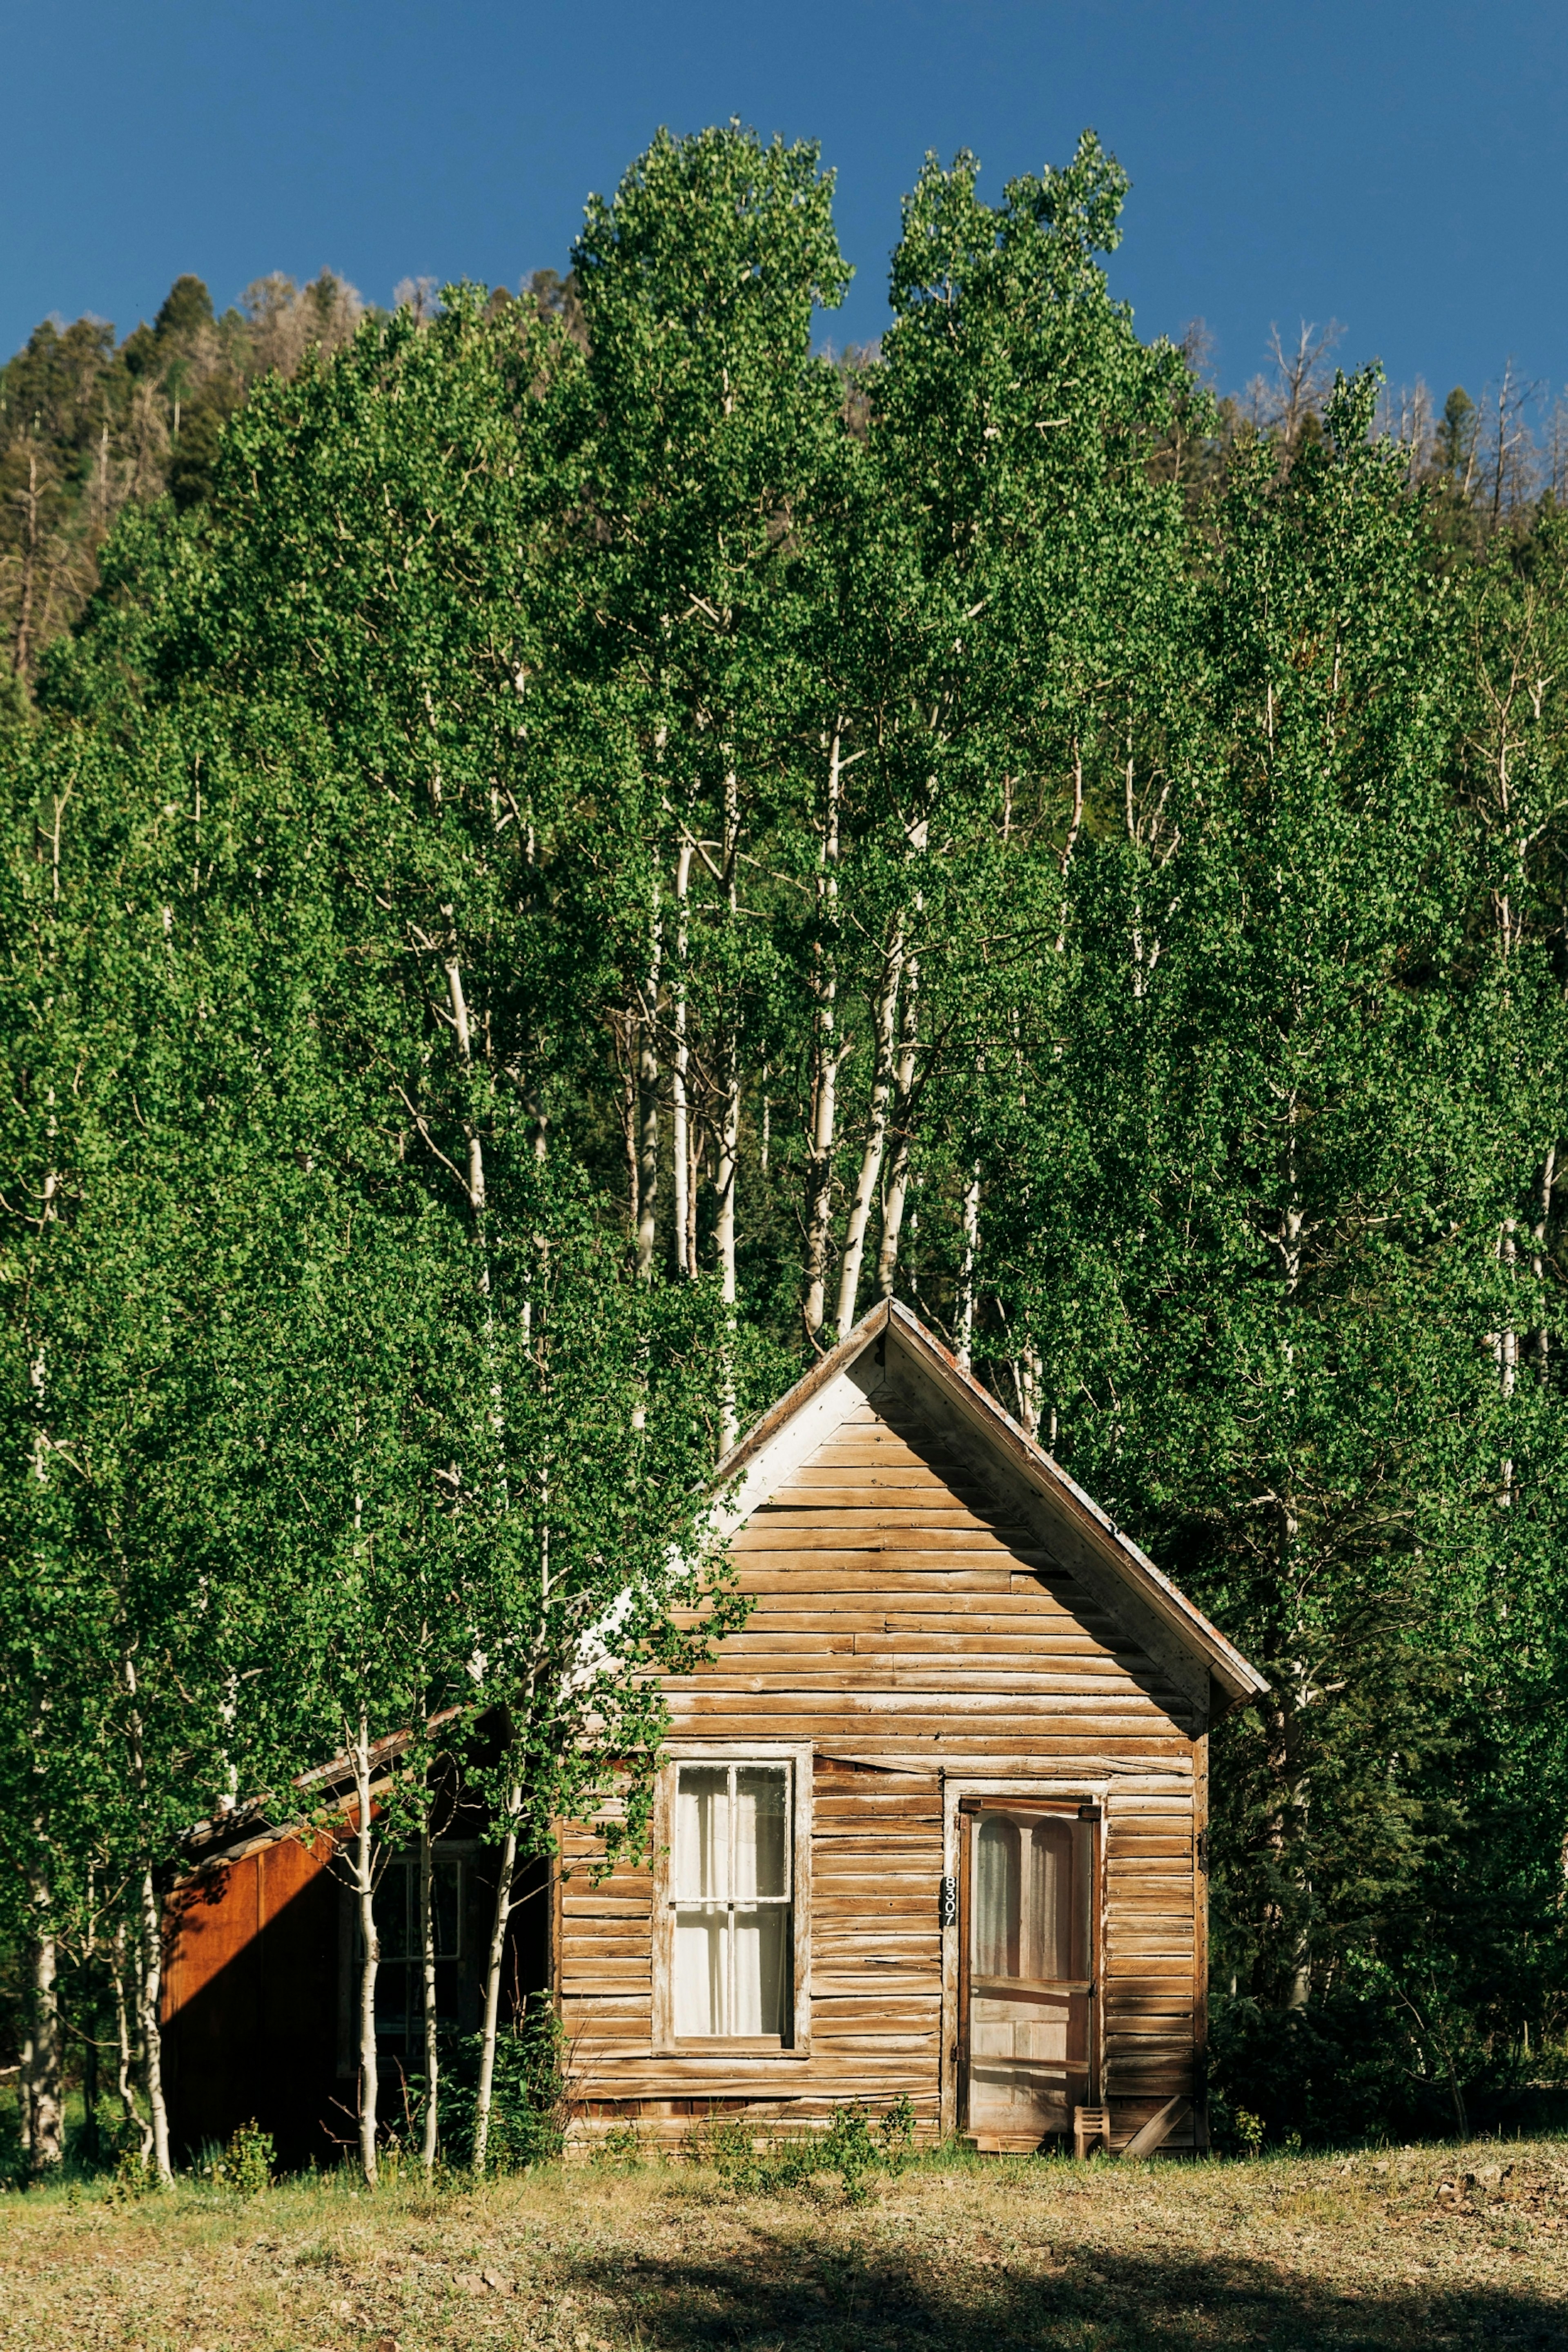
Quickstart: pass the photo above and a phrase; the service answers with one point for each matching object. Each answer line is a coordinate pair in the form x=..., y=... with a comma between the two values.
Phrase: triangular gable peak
x=891, y=1358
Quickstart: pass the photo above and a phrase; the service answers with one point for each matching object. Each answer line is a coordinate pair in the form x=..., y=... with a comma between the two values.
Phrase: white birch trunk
x=1026, y=1387
x=44, y=2101
x=123, y=2083
x=370, y=1952
x=648, y=1107
x=151, y=2025
x=694, y=1178
x=461, y=1023
x=1507, y=1352
x=897, y=1192
x=1538, y=1264
x=493, y=1962
x=150, y=1972
x=727, y=1170
x=626, y=1033
x=827, y=1054
x=680, y=1144
x=724, y=1178
x=428, y=1954
x=970, y=1251
x=885, y=1021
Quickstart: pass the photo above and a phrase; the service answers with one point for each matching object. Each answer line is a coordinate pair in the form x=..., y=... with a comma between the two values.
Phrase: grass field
x=1427, y=2247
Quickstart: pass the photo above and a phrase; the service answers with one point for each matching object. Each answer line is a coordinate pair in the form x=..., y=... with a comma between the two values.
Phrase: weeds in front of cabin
x=528, y=2097
x=621, y=2145
x=794, y=2160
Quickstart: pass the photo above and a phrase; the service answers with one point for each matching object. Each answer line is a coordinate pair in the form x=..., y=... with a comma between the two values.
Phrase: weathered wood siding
x=922, y=1638
x=250, y=2001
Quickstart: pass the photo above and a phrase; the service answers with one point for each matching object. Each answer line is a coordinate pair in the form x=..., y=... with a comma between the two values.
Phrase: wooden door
x=1028, y=1985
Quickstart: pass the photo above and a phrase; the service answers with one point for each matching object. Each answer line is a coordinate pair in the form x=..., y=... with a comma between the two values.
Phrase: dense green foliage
x=89, y=427
x=605, y=838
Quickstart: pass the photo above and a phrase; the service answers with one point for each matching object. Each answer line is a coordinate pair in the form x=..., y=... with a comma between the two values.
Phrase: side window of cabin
x=400, y=1979
x=732, y=1891
x=457, y=1895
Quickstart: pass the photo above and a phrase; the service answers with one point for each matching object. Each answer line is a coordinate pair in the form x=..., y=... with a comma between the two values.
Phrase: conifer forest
x=558, y=845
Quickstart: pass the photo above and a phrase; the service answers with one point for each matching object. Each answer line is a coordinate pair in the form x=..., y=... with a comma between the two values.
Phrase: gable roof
x=891, y=1349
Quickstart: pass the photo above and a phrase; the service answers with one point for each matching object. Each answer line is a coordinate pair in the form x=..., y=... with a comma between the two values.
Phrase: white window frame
x=667, y=2043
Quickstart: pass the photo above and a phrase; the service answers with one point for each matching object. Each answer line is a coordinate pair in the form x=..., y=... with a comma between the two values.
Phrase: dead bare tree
x=1508, y=450
x=1407, y=419
x=1302, y=376
x=1556, y=452
x=286, y=321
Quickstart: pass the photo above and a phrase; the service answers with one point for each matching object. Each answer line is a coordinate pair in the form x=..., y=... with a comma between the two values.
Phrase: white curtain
x=1024, y=1890
x=1048, y=1942
x=997, y=1875
x=732, y=1878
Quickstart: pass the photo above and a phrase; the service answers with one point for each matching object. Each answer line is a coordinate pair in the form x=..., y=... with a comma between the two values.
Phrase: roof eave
x=811, y=1383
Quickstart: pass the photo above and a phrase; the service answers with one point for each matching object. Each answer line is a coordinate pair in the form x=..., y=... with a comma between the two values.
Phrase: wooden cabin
x=931, y=1824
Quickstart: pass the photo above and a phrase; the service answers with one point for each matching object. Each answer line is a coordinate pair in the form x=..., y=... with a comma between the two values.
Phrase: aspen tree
x=698, y=280
x=417, y=1319
x=1003, y=499
x=826, y=1051
x=1264, y=1187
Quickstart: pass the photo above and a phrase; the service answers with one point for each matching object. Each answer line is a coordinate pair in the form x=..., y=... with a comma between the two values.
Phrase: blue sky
x=1400, y=168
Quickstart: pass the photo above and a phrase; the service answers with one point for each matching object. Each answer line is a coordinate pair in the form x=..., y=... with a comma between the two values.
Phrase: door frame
x=962, y=1798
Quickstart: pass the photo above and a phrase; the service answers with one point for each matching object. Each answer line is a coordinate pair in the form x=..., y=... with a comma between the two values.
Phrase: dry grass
x=1298, y=2252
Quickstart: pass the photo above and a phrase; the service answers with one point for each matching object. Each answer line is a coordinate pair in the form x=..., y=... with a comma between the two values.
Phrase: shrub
x=132, y=2176
x=528, y=2093
x=848, y=2149
x=246, y=2164
x=620, y=2145
x=897, y=2133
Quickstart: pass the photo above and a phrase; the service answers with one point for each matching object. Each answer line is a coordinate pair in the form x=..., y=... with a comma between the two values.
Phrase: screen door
x=1030, y=1970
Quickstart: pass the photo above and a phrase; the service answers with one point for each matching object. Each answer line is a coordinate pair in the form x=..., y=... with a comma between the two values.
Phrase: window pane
x=399, y=1999
x=996, y=1894
x=701, y=1959
x=391, y=1907
x=763, y=1942
x=730, y=1885
x=761, y=1833
x=444, y=1892
x=702, y=1834
x=1048, y=1937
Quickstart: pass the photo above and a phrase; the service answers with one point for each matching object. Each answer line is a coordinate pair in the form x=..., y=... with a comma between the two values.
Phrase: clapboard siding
x=910, y=1625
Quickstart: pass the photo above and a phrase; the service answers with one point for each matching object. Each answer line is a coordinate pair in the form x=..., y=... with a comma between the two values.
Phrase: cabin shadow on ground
x=777, y=2296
